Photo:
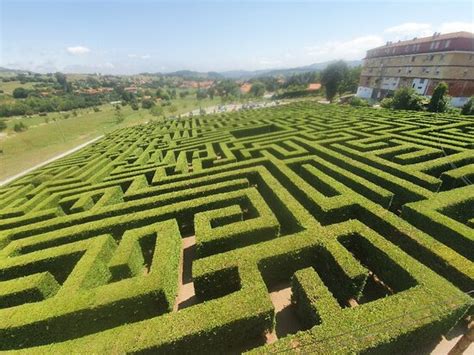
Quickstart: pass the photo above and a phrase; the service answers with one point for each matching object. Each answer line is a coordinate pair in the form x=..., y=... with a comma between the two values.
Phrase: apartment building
x=421, y=63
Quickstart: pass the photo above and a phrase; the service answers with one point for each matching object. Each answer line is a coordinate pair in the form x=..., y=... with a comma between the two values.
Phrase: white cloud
x=350, y=50
x=410, y=29
x=78, y=50
x=448, y=27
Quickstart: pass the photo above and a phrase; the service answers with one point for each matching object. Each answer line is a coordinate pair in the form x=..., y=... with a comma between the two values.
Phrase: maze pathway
x=178, y=236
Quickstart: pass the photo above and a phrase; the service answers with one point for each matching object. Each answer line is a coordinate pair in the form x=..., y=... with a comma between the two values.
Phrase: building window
x=437, y=70
x=448, y=42
x=441, y=57
x=431, y=57
x=412, y=58
x=399, y=70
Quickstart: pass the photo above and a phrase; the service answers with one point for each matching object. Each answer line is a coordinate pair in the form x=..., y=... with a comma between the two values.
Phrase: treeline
x=32, y=105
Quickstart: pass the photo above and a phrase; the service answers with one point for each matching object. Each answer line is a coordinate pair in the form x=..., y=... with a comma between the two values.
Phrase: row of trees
x=338, y=78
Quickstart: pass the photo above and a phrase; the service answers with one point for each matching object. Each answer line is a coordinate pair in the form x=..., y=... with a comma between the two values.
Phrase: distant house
x=245, y=88
x=313, y=86
x=193, y=84
x=132, y=89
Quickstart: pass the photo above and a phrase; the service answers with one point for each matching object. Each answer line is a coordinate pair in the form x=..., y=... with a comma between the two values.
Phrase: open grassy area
x=51, y=135
x=9, y=86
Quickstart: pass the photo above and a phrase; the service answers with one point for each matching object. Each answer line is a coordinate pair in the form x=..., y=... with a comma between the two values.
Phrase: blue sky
x=134, y=36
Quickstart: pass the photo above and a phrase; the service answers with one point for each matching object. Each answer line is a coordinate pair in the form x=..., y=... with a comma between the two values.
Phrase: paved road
x=56, y=157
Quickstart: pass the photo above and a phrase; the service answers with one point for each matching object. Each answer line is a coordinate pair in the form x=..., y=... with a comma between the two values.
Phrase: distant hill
x=244, y=74
x=231, y=74
x=4, y=71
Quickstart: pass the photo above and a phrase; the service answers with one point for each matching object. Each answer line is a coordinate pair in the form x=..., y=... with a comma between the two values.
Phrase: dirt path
x=56, y=157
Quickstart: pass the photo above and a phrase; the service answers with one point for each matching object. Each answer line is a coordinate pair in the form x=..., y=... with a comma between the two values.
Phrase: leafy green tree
x=350, y=81
x=407, y=99
x=227, y=88
x=119, y=117
x=332, y=78
x=257, y=89
x=211, y=92
x=134, y=106
x=147, y=103
x=62, y=81
x=20, y=93
x=468, y=108
x=201, y=94
x=439, y=101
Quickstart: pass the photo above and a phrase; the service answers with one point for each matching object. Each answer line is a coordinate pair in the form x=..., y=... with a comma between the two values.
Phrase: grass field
x=44, y=140
x=9, y=86
x=302, y=228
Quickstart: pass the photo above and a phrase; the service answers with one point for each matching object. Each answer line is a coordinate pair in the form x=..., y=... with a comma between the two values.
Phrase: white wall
x=364, y=92
x=459, y=101
x=420, y=85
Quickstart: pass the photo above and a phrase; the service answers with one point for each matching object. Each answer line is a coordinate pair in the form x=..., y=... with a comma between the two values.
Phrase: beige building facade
x=421, y=63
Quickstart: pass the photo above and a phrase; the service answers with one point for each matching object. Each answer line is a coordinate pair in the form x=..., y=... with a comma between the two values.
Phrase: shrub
x=359, y=102
x=96, y=109
x=3, y=125
x=439, y=102
x=386, y=103
x=146, y=104
x=20, y=93
x=20, y=127
x=468, y=108
x=407, y=99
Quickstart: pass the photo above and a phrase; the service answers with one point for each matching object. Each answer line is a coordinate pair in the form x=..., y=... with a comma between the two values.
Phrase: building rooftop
x=435, y=36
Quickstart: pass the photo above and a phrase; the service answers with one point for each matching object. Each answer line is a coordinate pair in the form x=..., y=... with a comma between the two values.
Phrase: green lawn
x=9, y=86
x=49, y=136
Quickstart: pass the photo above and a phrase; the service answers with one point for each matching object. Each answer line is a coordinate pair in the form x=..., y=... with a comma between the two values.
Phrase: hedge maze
x=172, y=236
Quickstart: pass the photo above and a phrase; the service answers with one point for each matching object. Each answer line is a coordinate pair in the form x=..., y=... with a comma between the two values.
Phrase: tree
x=439, y=102
x=407, y=99
x=119, y=117
x=211, y=92
x=20, y=93
x=201, y=94
x=257, y=89
x=332, y=77
x=351, y=80
x=134, y=106
x=227, y=88
x=146, y=104
x=3, y=125
x=62, y=81
x=468, y=108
